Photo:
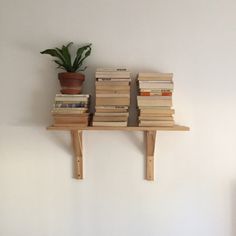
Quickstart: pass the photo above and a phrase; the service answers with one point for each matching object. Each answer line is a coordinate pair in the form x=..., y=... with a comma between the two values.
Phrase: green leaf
x=66, y=55
x=68, y=45
x=75, y=63
x=82, y=49
x=86, y=50
x=60, y=55
x=87, y=53
x=60, y=65
x=52, y=52
x=83, y=69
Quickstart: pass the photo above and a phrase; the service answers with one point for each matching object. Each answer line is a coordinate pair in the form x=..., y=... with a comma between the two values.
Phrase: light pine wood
x=128, y=128
x=150, y=134
x=78, y=152
x=150, y=151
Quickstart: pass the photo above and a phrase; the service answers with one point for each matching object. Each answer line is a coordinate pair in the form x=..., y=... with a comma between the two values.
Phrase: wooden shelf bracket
x=150, y=152
x=78, y=153
x=150, y=140
x=76, y=136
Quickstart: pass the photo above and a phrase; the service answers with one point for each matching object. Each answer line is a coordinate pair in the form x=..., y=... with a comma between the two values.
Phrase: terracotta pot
x=71, y=83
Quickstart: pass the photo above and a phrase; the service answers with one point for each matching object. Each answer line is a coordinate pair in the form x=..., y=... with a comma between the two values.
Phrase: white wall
x=195, y=188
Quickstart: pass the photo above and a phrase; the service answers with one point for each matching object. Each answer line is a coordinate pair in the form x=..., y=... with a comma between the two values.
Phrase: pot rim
x=71, y=75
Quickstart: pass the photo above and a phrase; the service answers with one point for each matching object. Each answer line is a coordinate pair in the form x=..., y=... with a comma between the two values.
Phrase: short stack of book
x=112, y=97
x=71, y=110
x=155, y=99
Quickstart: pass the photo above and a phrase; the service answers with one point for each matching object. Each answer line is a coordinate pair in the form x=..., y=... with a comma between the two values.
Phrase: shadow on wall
x=233, y=208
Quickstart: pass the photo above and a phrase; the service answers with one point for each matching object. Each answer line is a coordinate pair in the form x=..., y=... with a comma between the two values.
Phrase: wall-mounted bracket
x=150, y=152
x=150, y=136
x=76, y=136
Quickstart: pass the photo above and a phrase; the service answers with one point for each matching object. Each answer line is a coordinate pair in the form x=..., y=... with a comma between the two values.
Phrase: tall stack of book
x=155, y=99
x=71, y=110
x=112, y=97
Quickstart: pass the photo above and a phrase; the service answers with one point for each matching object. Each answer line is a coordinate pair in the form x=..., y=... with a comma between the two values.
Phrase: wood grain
x=78, y=151
x=128, y=128
x=150, y=152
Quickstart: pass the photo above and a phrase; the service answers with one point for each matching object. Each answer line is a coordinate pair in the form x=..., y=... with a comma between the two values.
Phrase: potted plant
x=71, y=81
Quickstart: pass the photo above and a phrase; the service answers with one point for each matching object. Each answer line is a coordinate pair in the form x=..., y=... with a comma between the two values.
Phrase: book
x=70, y=105
x=151, y=90
x=65, y=115
x=111, y=91
x=112, y=73
x=70, y=98
x=68, y=111
x=156, y=118
x=110, y=124
x=113, y=95
x=74, y=95
x=153, y=102
x=112, y=76
x=156, y=108
x=156, y=113
x=112, y=101
x=155, y=85
x=112, y=87
x=70, y=120
x=125, y=114
x=153, y=116
x=110, y=118
x=71, y=102
x=112, y=83
x=112, y=69
x=71, y=125
x=112, y=107
x=155, y=76
x=155, y=93
x=156, y=97
x=111, y=110
x=156, y=123
x=114, y=80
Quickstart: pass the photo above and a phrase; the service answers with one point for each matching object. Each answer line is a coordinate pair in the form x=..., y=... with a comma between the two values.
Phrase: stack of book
x=71, y=110
x=112, y=97
x=155, y=99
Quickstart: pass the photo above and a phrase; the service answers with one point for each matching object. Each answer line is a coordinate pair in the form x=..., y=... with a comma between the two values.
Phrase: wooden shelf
x=150, y=140
x=128, y=128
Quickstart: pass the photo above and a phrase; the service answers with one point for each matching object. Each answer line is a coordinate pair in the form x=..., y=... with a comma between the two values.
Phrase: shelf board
x=128, y=128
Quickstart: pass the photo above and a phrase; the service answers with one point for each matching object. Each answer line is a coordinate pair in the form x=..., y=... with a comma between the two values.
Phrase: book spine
x=113, y=79
x=155, y=94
